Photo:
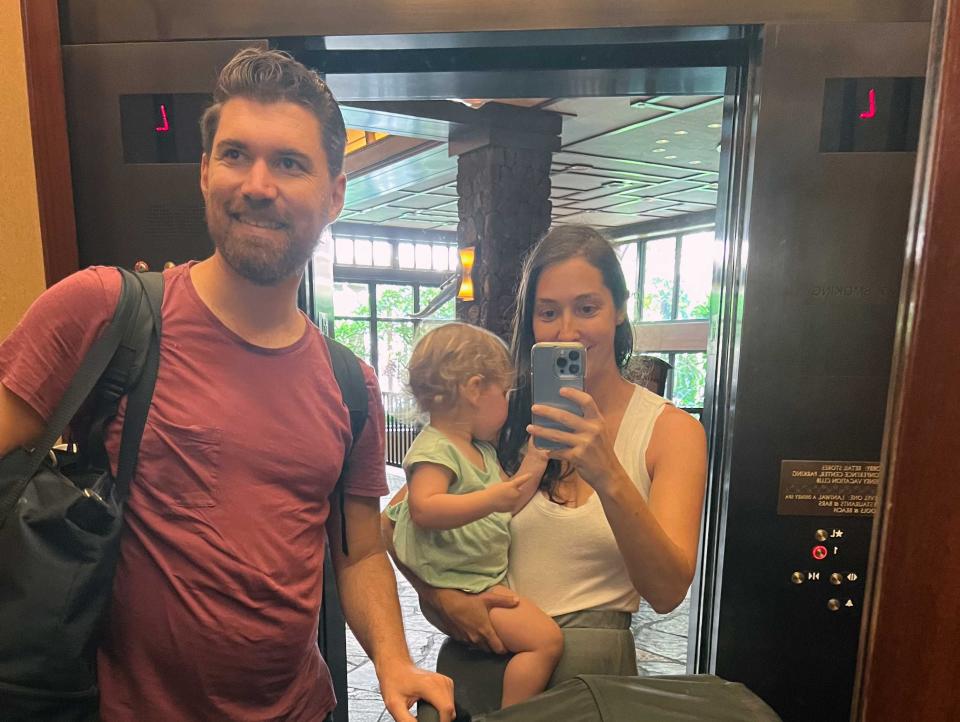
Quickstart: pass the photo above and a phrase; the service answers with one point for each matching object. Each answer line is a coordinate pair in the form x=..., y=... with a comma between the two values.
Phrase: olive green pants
x=594, y=642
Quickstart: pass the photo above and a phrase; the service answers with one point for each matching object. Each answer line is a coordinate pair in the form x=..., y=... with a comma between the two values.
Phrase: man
x=217, y=592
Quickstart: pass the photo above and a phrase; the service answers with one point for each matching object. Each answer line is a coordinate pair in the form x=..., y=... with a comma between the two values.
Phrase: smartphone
x=554, y=366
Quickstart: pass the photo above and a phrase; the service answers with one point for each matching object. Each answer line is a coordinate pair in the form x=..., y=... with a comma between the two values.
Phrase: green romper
x=472, y=557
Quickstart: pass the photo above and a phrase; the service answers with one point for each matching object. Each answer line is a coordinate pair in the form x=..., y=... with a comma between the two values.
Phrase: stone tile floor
x=661, y=643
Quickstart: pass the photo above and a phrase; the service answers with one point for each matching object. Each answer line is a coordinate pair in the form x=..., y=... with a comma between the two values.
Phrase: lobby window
x=670, y=279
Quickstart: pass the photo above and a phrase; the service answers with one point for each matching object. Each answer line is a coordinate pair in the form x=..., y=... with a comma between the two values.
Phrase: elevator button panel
x=826, y=574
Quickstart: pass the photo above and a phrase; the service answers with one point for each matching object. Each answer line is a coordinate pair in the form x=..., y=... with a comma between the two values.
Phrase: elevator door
x=806, y=342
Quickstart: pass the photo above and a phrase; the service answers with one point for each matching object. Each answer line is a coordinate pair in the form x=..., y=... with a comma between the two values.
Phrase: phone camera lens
x=574, y=368
x=574, y=355
x=561, y=362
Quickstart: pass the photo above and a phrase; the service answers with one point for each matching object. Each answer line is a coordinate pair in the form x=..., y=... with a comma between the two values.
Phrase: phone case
x=549, y=378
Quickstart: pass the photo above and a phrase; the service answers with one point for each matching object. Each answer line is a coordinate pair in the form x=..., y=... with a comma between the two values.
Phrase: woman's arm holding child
x=463, y=616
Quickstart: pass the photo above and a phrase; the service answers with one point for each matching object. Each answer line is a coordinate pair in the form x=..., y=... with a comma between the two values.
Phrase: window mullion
x=374, y=346
x=641, y=277
x=677, y=250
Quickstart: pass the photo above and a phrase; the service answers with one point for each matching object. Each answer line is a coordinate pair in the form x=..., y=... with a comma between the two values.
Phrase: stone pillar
x=504, y=204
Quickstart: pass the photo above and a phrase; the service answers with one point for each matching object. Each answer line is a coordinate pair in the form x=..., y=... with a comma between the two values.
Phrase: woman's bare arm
x=658, y=538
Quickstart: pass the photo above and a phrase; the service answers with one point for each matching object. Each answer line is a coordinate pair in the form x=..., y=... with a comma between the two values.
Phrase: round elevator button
x=797, y=577
x=833, y=605
x=821, y=535
x=836, y=578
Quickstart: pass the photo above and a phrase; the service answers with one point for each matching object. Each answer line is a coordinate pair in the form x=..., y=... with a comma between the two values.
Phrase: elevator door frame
x=743, y=45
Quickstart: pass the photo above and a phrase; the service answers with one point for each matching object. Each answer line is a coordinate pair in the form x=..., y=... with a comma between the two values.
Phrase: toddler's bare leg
x=537, y=643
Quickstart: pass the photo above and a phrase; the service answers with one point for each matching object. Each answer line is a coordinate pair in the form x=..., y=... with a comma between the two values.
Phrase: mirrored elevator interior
x=819, y=118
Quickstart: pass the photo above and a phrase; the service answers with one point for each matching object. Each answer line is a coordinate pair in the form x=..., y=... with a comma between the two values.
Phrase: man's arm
x=20, y=425
x=368, y=595
x=43, y=352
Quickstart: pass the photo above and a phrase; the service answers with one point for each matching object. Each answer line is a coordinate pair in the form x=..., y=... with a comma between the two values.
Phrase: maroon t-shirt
x=217, y=592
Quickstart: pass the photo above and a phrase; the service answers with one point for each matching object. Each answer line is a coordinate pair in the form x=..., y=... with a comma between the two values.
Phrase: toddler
x=453, y=528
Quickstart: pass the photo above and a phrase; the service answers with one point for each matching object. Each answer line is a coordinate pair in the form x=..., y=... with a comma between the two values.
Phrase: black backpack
x=61, y=514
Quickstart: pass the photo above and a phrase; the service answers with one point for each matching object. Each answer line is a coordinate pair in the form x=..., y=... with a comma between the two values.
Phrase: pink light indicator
x=166, y=124
x=873, y=106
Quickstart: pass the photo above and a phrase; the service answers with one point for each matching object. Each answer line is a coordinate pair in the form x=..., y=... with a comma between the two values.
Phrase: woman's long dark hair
x=560, y=244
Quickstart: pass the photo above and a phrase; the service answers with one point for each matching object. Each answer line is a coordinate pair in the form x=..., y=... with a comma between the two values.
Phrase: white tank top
x=566, y=559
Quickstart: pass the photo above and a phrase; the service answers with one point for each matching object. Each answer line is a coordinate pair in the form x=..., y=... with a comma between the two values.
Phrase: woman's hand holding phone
x=587, y=446
x=555, y=366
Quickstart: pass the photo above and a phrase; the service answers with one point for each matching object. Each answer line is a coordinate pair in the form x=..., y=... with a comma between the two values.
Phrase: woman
x=617, y=517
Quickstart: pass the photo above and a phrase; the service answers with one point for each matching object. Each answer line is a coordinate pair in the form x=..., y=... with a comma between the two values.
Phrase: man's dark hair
x=273, y=76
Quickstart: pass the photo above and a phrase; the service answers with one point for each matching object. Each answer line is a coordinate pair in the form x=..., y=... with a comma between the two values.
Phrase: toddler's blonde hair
x=448, y=356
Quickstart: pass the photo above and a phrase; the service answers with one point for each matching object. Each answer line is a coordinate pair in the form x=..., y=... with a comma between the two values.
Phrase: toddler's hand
x=505, y=495
x=534, y=461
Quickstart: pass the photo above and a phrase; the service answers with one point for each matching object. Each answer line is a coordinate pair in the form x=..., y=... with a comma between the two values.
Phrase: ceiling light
x=662, y=141
x=669, y=157
x=696, y=162
x=680, y=132
x=713, y=125
x=578, y=167
x=659, y=150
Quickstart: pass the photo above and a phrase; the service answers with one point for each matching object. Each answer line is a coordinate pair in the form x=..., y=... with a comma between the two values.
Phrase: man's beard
x=260, y=260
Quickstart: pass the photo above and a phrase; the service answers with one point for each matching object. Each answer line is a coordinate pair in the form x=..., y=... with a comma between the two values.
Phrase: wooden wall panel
x=911, y=666
x=51, y=152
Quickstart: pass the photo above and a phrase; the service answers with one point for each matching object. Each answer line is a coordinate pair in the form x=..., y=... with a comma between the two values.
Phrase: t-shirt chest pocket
x=180, y=465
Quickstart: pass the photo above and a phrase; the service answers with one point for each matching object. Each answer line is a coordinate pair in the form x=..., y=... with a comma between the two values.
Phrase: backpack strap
x=125, y=368
x=22, y=464
x=353, y=390
x=143, y=374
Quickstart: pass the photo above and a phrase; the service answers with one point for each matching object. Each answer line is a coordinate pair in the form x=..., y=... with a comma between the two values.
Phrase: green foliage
x=447, y=312
x=689, y=379
x=395, y=336
x=658, y=303
x=355, y=335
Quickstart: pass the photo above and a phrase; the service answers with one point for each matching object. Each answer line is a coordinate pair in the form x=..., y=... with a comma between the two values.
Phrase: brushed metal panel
x=602, y=82
x=813, y=365
x=131, y=212
x=102, y=21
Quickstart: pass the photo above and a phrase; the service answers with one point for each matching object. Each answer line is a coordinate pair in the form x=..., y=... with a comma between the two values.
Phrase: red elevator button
x=819, y=552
